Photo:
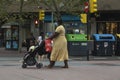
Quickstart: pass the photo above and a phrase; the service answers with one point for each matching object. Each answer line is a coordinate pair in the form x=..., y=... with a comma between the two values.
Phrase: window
x=75, y=28
x=107, y=28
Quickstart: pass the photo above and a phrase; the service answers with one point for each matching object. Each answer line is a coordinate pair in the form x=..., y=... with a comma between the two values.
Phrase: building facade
x=106, y=20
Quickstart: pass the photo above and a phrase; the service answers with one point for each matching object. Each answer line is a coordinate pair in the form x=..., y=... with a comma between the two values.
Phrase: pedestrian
x=39, y=41
x=44, y=49
x=40, y=38
x=28, y=39
x=59, y=48
x=48, y=47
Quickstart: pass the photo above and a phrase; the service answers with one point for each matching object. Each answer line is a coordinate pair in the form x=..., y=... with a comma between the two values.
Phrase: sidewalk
x=15, y=53
x=78, y=69
x=11, y=53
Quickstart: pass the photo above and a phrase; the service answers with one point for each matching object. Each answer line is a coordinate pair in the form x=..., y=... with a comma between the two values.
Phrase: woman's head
x=59, y=22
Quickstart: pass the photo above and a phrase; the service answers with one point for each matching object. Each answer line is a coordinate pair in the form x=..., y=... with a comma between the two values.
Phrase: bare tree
x=25, y=6
x=74, y=7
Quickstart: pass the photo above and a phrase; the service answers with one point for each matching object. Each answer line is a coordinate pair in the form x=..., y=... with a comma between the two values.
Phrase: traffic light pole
x=92, y=8
x=88, y=26
x=87, y=11
x=88, y=32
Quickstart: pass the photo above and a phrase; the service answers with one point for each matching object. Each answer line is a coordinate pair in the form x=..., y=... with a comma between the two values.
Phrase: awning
x=65, y=18
x=8, y=25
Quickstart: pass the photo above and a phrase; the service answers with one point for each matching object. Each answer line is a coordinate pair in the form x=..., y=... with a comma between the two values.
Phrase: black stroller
x=29, y=57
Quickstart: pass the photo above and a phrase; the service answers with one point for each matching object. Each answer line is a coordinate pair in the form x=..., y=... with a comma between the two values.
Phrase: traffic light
x=93, y=6
x=41, y=15
x=86, y=7
x=83, y=18
x=36, y=23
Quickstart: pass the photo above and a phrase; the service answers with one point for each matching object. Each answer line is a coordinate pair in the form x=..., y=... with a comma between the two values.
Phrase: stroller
x=29, y=57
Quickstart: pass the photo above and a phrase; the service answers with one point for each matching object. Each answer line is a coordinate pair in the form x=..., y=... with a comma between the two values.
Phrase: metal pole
x=20, y=28
x=88, y=26
x=88, y=34
x=52, y=21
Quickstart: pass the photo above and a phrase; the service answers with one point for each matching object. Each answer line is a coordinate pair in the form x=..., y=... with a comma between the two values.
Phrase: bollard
x=88, y=52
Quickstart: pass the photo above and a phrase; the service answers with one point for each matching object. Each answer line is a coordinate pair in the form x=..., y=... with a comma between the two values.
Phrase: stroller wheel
x=24, y=66
x=39, y=65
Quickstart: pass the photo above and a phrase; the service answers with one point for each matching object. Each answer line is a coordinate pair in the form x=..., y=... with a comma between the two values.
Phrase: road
x=10, y=69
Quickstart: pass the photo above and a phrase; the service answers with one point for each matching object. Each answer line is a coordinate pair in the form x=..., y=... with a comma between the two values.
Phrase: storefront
x=11, y=37
x=108, y=17
x=108, y=23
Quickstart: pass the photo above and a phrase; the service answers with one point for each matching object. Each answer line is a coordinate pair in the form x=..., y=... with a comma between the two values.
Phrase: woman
x=59, y=50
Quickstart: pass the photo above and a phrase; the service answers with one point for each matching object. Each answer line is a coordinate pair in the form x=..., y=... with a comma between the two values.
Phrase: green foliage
x=12, y=10
x=64, y=5
x=74, y=7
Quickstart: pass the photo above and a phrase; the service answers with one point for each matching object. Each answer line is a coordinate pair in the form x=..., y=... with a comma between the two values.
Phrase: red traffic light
x=86, y=9
x=36, y=22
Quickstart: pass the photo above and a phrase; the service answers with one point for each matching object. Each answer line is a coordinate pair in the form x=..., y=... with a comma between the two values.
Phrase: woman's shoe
x=51, y=64
x=65, y=67
x=66, y=64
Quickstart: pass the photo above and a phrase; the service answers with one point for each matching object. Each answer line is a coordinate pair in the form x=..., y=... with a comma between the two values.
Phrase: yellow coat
x=59, y=51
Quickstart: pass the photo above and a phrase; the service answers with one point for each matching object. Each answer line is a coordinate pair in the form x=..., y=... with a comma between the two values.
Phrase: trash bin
x=77, y=44
x=117, y=51
x=104, y=44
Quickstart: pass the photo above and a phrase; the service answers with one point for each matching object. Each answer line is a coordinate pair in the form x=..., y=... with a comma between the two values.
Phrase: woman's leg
x=65, y=64
x=51, y=64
